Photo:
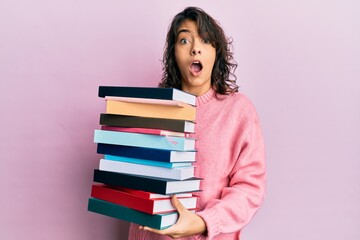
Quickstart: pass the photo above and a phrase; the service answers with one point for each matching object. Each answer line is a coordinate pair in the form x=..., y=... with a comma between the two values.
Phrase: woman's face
x=195, y=58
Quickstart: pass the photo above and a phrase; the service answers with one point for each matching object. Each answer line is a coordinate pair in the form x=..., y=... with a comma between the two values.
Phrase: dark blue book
x=147, y=92
x=146, y=153
x=149, y=184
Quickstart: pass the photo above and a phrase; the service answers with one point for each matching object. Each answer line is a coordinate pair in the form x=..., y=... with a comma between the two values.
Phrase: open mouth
x=196, y=67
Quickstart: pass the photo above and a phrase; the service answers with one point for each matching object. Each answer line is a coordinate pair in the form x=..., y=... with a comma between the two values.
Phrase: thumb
x=177, y=204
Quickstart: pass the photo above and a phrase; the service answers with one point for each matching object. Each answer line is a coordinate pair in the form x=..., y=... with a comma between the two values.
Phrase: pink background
x=299, y=61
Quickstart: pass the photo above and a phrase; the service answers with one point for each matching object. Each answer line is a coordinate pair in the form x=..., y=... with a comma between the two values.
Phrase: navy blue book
x=149, y=184
x=146, y=153
x=147, y=92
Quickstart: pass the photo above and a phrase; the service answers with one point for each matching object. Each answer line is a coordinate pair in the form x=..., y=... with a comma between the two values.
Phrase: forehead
x=188, y=26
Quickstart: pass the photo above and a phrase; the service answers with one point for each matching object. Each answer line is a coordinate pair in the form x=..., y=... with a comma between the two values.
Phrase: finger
x=177, y=204
x=157, y=231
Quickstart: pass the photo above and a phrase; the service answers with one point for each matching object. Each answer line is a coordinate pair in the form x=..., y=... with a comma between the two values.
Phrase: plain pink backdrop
x=299, y=61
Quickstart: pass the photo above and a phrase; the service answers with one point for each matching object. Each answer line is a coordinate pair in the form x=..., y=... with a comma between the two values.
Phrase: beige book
x=182, y=112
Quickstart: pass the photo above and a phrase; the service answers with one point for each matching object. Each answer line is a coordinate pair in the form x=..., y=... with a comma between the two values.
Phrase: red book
x=150, y=206
x=146, y=131
x=150, y=195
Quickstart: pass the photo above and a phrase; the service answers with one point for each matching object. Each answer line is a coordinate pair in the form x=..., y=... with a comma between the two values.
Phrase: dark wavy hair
x=208, y=28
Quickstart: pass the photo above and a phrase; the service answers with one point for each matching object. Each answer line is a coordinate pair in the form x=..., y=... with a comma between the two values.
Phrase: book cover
x=147, y=92
x=181, y=173
x=150, y=195
x=150, y=184
x=146, y=153
x=186, y=112
x=146, y=122
x=153, y=131
x=158, y=221
x=144, y=140
x=150, y=206
x=148, y=162
x=148, y=101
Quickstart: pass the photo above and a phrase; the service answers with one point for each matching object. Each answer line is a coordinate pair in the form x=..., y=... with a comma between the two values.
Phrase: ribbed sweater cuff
x=200, y=237
x=213, y=221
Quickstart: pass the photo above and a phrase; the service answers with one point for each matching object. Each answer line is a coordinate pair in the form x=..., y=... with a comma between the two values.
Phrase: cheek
x=180, y=60
x=211, y=63
x=211, y=58
x=177, y=54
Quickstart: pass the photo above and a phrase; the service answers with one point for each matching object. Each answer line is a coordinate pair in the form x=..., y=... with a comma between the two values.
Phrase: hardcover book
x=150, y=206
x=158, y=221
x=180, y=173
x=146, y=153
x=184, y=112
x=146, y=131
x=148, y=162
x=147, y=92
x=148, y=101
x=150, y=184
x=144, y=140
x=146, y=122
x=150, y=195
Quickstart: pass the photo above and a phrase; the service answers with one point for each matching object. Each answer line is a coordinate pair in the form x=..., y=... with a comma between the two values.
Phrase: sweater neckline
x=205, y=98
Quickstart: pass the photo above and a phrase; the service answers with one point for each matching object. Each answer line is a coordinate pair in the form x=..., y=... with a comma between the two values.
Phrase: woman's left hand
x=188, y=223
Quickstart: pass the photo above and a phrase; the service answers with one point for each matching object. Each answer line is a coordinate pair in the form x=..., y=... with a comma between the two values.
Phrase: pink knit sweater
x=231, y=161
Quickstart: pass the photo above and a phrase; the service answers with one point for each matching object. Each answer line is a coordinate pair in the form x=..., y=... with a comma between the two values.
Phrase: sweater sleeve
x=242, y=198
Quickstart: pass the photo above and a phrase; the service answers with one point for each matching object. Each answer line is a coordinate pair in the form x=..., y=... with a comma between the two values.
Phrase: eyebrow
x=183, y=31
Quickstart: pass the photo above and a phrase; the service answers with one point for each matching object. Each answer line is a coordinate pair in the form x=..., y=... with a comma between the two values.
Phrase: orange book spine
x=186, y=112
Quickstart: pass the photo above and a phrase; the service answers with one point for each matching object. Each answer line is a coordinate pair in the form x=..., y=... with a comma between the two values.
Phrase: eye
x=184, y=41
x=207, y=41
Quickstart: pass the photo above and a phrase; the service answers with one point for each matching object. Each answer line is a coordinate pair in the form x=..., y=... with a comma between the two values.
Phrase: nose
x=195, y=52
x=195, y=48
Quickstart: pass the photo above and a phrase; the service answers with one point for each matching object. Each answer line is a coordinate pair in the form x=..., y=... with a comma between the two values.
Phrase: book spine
x=123, y=198
x=145, y=122
x=152, y=131
x=147, y=93
x=185, y=112
x=149, y=195
x=144, y=140
x=147, y=162
x=146, y=153
x=146, y=170
x=140, y=92
x=134, y=152
x=128, y=214
x=136, y=202
x=131, y=181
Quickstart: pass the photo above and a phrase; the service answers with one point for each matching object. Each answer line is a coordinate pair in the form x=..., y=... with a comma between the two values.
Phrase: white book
x=180, y=173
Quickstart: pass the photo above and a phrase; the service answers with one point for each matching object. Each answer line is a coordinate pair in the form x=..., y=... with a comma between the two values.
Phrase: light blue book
x=146, y=170
x=144, y=140
x=148, y=162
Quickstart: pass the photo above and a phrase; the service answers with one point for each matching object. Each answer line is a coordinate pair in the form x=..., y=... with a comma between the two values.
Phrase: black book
x=146, y=122
x=150, y=184
x=147, y=92
x=146, y=153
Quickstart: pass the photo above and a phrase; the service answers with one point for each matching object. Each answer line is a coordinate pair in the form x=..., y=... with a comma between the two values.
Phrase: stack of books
x=148, y=155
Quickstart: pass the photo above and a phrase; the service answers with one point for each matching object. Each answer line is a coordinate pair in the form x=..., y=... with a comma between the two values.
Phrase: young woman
x=230, y=156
